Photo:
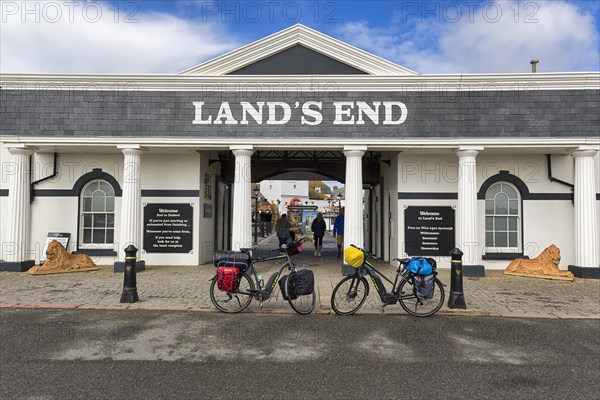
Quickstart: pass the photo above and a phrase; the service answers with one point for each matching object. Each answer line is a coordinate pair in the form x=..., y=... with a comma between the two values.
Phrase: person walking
x=338, y=231
x=282, y=229
x=318, y=227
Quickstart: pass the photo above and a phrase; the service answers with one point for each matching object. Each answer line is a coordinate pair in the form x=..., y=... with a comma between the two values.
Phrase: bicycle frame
x=369, y=269
x=256, y=293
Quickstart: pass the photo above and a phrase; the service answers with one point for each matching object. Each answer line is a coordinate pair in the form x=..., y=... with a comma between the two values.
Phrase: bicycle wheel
x=349, y=295
x=303, y=304
x=421, y=307
x=232, y=302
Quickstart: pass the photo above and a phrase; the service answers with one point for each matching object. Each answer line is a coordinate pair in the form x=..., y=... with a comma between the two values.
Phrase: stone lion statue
x=543, y=266
x=59, y=260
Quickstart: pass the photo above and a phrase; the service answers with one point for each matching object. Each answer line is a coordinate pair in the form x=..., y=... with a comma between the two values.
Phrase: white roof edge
x=286, y=38
x=179, y=76
x=383, y=83
x=487, y=143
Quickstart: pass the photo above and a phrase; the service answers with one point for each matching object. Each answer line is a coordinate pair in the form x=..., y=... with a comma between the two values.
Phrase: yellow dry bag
x=354, y=256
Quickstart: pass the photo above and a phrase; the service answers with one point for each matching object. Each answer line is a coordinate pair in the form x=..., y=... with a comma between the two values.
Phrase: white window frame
x=518, y=217
x=83, y=213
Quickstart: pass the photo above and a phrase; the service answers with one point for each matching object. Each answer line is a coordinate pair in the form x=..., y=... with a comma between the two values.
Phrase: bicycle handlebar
x=372, y=256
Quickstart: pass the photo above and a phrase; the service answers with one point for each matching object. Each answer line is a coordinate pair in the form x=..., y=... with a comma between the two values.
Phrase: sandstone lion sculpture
x=58, y=260
x=543, y=266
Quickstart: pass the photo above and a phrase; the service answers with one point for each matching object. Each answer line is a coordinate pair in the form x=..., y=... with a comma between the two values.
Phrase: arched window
x=502, y=218
x=97, y=214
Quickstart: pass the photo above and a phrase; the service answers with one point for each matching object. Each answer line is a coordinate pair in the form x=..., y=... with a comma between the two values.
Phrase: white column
x=17, y=234
x=586, y=220
x=241, y=235
x=466, y=226
x=131, y=202
x=353, y=212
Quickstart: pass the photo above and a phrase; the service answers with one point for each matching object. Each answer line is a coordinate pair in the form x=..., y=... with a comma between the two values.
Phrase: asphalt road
x=52, y=354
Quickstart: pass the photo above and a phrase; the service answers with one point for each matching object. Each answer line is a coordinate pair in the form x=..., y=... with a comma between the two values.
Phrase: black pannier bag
x=237, y=259
x=304, y=281
x=282, y=283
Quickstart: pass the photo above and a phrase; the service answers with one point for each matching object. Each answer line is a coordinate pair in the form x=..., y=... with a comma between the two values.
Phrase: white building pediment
x=292, y=37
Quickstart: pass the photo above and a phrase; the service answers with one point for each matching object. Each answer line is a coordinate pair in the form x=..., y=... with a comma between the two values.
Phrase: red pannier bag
x=228, y=278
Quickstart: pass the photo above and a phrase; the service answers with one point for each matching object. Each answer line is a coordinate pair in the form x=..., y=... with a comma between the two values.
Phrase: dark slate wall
x=430, y=114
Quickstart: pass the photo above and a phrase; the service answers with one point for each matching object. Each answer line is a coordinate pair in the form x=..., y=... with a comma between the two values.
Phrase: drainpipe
x=553, y=179
x=54, y=173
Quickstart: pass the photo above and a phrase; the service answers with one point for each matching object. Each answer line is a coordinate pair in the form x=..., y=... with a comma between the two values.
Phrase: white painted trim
x=298, y=35
x=209, y=143
x=305, y=83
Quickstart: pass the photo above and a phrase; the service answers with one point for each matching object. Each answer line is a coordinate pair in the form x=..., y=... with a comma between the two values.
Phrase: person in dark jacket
x=318, y=228
x=338, y=231
x=283, y=230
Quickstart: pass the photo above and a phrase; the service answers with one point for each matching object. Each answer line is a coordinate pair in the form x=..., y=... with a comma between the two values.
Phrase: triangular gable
x=297, y=60
x=272, y=47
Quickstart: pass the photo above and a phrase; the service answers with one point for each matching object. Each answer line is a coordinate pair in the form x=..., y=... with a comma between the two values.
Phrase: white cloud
x=90, y=38
x=564, y=38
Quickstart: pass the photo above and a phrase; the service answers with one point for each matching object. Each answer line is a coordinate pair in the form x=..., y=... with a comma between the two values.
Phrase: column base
x=16, y=266
x=120, y=266
x=585, y=272
x=476, y=271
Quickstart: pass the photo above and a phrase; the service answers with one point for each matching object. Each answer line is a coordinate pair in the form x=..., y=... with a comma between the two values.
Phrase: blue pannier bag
x=421, y=266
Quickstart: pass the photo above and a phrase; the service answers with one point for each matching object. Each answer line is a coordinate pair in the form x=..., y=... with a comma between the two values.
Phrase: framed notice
x=429, y=231
x=168, y=228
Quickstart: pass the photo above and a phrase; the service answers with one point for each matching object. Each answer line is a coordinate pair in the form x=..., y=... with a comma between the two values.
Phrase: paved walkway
x=186, y=288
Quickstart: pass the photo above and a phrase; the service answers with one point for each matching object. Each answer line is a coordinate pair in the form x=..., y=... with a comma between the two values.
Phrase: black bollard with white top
x=457, y=296
x=130, y=294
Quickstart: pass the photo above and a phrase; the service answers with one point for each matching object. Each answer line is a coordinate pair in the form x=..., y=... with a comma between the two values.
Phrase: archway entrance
x=362, y=186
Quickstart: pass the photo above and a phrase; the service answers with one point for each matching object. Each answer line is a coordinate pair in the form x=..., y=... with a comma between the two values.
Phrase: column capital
x=354, y=151
x=131, y=149
x=584, y=152
x=468, y=151
x=242, y=150
x=20, y=150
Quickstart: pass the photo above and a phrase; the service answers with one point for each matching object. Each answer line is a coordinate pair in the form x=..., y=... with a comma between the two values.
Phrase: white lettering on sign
x=280, y=113
x=255, y=113
x=287, y=113
x=313, y=113
x=343, y=110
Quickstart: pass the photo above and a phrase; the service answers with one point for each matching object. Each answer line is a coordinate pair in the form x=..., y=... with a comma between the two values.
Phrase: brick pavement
x=187, y=288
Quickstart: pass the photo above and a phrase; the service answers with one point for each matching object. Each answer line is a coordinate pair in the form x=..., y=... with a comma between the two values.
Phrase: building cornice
x=305, y=83
x=300, y=143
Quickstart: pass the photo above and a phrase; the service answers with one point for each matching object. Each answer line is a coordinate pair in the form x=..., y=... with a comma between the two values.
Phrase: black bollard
x=129, y=294
x=457, y=296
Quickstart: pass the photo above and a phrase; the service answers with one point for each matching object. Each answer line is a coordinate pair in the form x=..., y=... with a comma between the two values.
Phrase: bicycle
x=352, y=291
x=249, y=289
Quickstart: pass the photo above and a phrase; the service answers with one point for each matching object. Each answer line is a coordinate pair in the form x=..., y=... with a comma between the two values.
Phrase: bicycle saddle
x=245, y=250
x=402, y=260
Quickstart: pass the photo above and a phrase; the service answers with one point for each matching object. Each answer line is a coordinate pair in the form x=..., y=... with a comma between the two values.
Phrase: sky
x=429, y=37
